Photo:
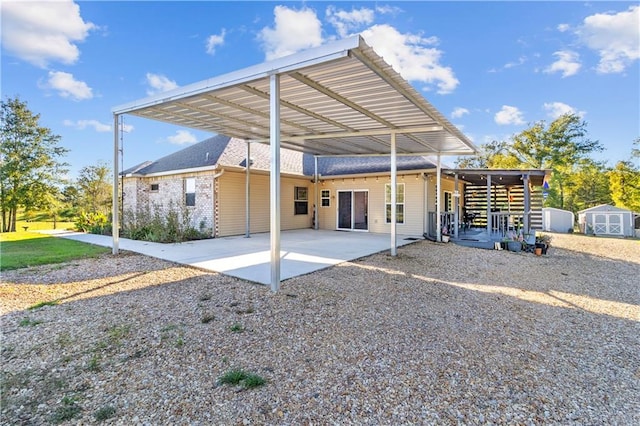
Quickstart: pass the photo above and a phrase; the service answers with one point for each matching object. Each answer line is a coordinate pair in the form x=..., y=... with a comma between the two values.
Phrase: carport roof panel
x=337, y=99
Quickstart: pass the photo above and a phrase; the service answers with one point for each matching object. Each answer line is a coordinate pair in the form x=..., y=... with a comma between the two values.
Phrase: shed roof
x=605, y=208
x=337, y=99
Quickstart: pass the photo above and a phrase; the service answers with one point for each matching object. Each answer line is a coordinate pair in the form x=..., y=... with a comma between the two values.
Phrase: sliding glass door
x=353, y=210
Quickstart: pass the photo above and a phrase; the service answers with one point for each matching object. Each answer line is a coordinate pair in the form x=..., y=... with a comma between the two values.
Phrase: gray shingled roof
x=226, y=151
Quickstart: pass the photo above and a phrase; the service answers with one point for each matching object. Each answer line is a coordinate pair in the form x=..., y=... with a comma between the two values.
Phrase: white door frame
x=606, y=226
x=352, y=192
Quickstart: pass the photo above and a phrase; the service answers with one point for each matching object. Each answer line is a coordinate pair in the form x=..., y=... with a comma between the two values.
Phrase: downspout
x=213, y=219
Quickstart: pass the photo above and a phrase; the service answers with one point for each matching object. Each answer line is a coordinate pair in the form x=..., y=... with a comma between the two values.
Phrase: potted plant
x=543, y=241
x=514, y=241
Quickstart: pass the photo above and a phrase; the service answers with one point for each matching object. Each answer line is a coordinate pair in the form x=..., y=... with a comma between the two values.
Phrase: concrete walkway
x=302, y=251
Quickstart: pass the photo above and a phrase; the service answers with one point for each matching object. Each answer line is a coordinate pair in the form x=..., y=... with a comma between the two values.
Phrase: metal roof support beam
x=527, y=204
x=489, y=217
x=274, y=228
x=376, y=132
x=115, y=221
x=394, y=194
x=316, y=206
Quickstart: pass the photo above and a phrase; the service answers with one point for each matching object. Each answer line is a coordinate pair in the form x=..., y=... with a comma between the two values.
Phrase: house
x=225, y=197
x=606, y=219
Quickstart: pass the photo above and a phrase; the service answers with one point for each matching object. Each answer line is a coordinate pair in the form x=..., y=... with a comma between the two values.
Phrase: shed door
x=607, y=223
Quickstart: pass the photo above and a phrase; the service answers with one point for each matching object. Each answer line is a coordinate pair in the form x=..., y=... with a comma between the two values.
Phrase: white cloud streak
x=67, y=86
x=614, y=37
x=83, y=124
x=158, y=83
x=459, y=112
x=44, y=31
x=293, y=30
x=215, y=40
x=509, y=115
x=568, y=63
x=182, y=137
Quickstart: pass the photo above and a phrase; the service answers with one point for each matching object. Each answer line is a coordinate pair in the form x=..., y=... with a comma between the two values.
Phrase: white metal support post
x=247, y=196
x=394, y=194
x=438, y=197
x=316, y=209
x=115, y=213
x=274, y=140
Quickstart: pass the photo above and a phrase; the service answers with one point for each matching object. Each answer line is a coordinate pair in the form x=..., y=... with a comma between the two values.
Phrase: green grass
x=105, y=413
x=241, y=377
x=42, y=304
x=236, y=328
x=28, y=322
x=24, y=249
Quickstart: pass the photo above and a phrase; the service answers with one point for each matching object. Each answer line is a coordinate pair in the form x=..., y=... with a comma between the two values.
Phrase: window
x=190, y=192
x=399, y=202
x=155, y=187
x=301, y=200
x=325, y=198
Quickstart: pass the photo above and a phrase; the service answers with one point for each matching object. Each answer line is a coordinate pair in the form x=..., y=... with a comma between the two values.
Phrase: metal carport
x=336, y=99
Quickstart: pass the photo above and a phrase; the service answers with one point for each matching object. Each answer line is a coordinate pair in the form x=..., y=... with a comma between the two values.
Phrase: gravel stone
x=440, y=334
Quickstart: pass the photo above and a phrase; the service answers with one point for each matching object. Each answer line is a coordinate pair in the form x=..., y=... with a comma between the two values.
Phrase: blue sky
x=492, y=68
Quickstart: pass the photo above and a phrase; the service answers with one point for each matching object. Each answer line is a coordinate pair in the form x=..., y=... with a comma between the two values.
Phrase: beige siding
x=232, y=207
x=414, y=203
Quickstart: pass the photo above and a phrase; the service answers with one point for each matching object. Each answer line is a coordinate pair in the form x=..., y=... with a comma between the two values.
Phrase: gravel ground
x=441, y=334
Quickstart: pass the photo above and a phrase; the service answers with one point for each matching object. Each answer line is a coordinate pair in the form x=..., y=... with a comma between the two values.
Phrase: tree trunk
x=13, y=213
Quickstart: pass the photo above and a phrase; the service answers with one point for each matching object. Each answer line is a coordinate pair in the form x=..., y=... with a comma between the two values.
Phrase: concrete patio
x=302, y=251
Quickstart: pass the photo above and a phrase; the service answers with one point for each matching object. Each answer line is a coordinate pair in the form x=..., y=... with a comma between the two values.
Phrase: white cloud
x=214, y=41
x=459, y=112
x=182, y=137
x=521, y=60
x=563, y=28
x=293, y=30
x=43, y=31
x=159, y=83
x=83, y=124
x=346, y=22
x=509, y=115
x=67, y=86
x=568, y=63
x=556, y=109
x=413, y=56
x=615, y=38
x=128, y=128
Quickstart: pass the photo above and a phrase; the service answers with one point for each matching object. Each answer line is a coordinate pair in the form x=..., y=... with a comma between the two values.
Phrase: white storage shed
x=606, y=220
x=557, y=220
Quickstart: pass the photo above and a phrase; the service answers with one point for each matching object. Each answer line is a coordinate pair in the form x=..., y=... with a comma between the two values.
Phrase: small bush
x=66, y=411
x=236, y=328
x=94, y=223
x=207, y=318
x=160, y=224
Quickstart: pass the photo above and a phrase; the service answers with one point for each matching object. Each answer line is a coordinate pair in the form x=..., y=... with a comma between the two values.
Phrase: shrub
x=160, y=225
x=94, y=223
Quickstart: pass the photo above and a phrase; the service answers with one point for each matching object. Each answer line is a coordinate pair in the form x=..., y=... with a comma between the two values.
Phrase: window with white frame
x=325, y=198
x=399, y=202
x=301, y=200
x=190, y=192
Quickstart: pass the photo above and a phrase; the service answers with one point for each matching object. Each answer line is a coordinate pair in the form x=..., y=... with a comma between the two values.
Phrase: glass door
x=353, y=210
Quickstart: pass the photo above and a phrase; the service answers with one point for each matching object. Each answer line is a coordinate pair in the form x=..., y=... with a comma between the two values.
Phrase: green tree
x=95, y=189
x=587, y=185
x=30, y=166
x=625, y=181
